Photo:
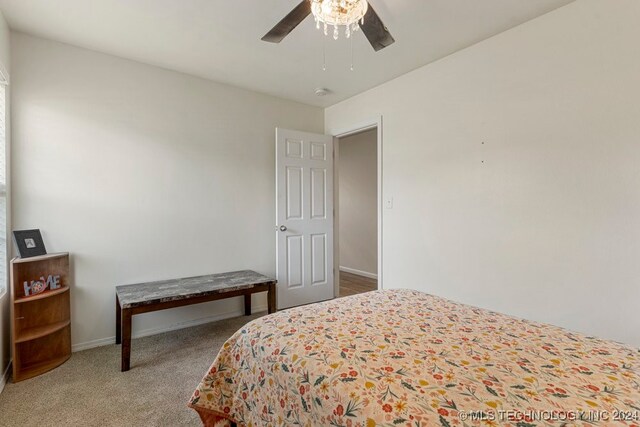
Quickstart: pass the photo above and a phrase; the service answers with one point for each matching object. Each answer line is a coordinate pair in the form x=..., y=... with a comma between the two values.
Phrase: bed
x=405, y=358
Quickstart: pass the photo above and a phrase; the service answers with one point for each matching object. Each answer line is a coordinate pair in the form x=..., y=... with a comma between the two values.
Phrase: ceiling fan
x=353, y=14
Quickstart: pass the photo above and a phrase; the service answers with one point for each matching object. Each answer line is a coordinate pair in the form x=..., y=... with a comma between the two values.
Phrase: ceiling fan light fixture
x=345, y=13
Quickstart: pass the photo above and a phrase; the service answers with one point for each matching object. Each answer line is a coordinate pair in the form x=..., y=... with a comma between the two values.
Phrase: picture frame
x=29, y=243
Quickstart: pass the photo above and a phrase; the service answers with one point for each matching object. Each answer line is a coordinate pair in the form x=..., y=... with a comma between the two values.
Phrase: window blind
x=3, y=190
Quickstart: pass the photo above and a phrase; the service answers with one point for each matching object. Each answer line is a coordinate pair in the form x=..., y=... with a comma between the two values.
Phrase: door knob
x=283, y=228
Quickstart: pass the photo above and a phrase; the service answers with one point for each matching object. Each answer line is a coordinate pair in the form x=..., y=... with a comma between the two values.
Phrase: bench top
x=178, y=289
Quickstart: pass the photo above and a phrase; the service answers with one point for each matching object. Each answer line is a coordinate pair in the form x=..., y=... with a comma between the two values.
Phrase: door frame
x=365, y=125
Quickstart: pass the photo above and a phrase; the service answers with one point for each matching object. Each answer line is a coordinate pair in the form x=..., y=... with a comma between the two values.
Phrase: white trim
x=93, y=344
x=5, y=377
x=154, y=331
x=359, y=272
x=357, y=128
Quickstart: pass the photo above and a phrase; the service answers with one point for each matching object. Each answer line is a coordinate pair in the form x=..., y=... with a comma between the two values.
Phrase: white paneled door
x=304, y=215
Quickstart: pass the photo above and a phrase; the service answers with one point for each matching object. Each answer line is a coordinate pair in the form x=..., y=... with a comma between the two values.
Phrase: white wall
x=358, y=181
x=142, y=174
x=5, y=324
x=548, y=227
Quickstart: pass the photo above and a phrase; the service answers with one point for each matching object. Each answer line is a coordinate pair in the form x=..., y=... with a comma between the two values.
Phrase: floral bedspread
x=405, y=358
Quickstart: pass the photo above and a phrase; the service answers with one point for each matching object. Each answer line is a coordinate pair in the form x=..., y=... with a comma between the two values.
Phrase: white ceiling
x=220, y=39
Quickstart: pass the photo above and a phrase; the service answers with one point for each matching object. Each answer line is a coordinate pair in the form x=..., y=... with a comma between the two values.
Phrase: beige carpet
x=90, y=390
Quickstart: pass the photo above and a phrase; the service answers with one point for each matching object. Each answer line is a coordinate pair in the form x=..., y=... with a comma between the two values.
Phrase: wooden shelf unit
x=47, y=294
x=40, y=324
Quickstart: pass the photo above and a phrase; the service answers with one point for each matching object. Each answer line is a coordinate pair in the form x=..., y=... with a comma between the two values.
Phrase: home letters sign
x=35, y=287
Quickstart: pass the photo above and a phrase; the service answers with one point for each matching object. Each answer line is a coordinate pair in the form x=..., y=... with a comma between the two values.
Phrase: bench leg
x=247, y=304
x=118, y=321
x=126, y=339
x=271, y=299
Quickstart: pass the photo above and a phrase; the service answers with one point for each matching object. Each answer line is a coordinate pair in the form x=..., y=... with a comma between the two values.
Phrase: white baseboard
x=93, y=344
x=154, y=331
x=359, y=272
x=5, y=377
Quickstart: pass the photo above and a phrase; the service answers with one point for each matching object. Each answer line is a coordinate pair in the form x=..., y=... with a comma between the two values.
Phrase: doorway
x=308, y=216
x=357, y=212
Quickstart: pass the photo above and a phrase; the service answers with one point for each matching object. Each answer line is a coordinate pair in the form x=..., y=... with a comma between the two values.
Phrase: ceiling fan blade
x=288, y=23
x=375, y=30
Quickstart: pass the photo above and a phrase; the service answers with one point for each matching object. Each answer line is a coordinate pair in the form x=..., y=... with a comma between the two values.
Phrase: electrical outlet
x=388, y=203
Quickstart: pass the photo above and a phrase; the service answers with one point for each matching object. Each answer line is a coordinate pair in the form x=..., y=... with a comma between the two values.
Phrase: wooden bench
x=154, y=296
